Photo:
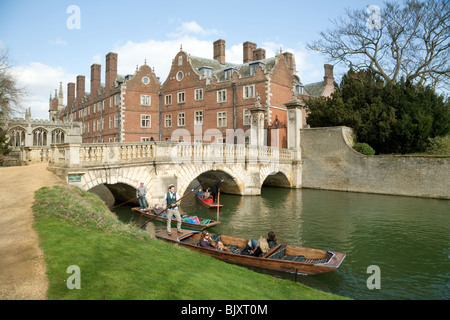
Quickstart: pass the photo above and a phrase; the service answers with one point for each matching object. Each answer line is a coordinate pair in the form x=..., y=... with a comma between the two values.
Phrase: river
x=408, y=239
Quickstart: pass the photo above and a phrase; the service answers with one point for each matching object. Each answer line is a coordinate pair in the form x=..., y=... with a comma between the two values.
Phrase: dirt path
x=22, y=265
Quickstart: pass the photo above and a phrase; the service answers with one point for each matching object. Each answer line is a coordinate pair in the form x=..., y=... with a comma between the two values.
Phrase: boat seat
x=298, y=258
x=279, y=254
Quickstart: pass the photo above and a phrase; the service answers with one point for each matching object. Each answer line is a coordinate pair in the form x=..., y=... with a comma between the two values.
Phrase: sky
x=53, y=41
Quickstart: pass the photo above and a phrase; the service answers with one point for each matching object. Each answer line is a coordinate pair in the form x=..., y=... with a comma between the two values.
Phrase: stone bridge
x=122, y=166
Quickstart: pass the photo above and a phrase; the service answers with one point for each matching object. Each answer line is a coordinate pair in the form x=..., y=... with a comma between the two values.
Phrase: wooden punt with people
x=200, y=224
x=207, y=203
x=286, y=258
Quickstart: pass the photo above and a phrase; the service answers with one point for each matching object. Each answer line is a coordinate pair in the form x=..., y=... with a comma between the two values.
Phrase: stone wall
x=330, y=163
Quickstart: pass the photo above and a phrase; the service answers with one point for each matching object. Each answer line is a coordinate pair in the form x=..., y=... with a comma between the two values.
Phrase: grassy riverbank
x=118, y=261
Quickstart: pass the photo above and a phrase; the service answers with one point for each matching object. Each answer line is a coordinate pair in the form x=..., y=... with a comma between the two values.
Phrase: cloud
x=57, y=42
x=39, y=81
x=191, y=28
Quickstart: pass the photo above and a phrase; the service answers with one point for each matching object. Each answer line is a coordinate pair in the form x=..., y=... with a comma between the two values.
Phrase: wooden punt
x=148, y=213
x=208, y=205
x=286, y=258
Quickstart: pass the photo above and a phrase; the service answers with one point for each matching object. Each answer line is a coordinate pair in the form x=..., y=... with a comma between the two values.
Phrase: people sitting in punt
x=207, y=242
x=200, y=193
x=262, y=246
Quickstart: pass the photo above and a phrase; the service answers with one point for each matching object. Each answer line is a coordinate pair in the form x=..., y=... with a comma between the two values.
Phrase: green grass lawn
x=118, y=261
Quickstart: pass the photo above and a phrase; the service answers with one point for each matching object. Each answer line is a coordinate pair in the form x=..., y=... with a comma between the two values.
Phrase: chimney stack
x=80, y=88
x=289, y=58
x=111, y=70
x=95, y=79
x=219, y=51
x=259, y=54
x=328, y=78
x=70, y=94
x=249, y=47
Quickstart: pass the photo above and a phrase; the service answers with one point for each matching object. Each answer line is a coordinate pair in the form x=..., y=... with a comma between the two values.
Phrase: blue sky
x=44, y=51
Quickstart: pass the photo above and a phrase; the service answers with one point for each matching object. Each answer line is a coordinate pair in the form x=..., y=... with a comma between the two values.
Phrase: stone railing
x=177, y=153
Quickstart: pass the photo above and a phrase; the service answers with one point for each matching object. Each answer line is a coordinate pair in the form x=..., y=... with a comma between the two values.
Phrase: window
x=246, y=117
x=249, y=91
x=222, y=95
x=145, y=100
x=198, y=118
x=110, y=122
x=116, y=121
x=117, y=98
x=180, y=97
x=222, y=119
x=145, y=121
x=198, y=94
x=181, y=119
x=168, y=99
x=180, y=75
x=145, y=80
x=168, y=121
x=180, y=60
x=145, y=139
x=227, y=74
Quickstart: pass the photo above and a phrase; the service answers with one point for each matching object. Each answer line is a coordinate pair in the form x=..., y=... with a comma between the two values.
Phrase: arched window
x=39, y=137
x=17, y=137
x=58, y=136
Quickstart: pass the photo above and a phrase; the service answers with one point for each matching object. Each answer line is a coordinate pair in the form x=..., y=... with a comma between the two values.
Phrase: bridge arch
x=207, y=175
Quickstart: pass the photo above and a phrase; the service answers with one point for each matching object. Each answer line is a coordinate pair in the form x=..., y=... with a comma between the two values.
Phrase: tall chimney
x=80, y=88
x=259, y=54
x=248, y=51
x=290, y=61
x=111, y=70
x=328, y=78
x=219, y=51
x=95, y=79
x=70, y=94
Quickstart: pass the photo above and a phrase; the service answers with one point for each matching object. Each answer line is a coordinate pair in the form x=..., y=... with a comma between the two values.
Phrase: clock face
x=145, y=80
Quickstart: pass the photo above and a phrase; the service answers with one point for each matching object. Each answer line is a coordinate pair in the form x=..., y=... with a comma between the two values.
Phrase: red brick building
x=201, y=99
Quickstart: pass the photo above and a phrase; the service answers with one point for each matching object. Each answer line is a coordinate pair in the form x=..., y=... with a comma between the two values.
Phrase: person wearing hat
x=169, y=201
x=141, y=192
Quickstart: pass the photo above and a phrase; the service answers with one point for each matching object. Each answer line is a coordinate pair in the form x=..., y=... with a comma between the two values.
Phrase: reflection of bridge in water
x=121, y=166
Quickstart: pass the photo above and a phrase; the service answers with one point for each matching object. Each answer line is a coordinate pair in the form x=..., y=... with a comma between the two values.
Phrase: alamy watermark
x=374, y=21
x=74, y=20
x=374, y=281
x=74, y=281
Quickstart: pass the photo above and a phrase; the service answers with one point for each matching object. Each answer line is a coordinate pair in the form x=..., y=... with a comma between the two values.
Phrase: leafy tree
x=390, y=117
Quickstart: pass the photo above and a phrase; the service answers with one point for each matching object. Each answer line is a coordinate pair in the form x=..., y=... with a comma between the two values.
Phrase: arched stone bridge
x=121, y=166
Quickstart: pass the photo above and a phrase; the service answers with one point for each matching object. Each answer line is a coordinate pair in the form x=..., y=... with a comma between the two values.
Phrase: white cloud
x=191, y=28
x=39, y=80
x=58, y=42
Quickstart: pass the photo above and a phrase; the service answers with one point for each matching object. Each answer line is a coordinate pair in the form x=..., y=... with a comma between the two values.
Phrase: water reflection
x=408, y=238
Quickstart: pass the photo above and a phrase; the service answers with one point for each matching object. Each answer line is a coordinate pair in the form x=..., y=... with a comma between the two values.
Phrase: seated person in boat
x=207, y=242
x=157, y=209
x=262, y=246
x=200, y=193
x=207, y=194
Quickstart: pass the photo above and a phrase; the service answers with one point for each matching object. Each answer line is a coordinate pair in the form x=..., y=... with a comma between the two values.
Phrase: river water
x=408, y=239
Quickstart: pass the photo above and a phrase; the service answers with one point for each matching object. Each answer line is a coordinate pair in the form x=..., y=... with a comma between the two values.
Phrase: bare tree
x=409, y=40
x=10, y=94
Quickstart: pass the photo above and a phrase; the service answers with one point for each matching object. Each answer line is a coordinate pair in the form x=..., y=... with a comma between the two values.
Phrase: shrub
x=439, y=145
x=364, y=148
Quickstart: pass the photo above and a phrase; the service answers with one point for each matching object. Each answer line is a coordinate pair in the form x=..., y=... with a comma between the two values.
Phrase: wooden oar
x=218, y=205
x=125, y=202
x=170, y=206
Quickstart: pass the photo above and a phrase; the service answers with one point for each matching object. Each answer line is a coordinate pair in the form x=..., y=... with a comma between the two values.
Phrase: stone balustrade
x=70, y=154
